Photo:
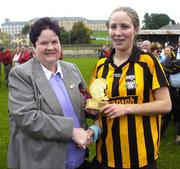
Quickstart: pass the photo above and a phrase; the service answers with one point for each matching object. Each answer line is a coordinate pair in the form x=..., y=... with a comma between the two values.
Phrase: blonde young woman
x=138, y=94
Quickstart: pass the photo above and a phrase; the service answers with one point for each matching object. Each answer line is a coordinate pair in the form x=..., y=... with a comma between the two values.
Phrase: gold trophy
x=98, y=99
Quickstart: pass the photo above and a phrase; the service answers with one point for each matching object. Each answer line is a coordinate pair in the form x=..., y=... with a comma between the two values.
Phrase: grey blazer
x=39, y=131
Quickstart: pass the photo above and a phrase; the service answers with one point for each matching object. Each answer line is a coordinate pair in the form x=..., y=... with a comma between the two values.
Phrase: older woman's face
x=48, y=48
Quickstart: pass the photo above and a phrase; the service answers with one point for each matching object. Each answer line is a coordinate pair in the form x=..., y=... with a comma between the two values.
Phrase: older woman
x=46, y=106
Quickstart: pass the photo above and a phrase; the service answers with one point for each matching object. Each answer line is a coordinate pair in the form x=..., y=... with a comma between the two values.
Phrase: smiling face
x=48, y=48
x=122, y=30
x=167, y=51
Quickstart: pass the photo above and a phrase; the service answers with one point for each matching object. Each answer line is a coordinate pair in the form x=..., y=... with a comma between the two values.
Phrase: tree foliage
x=80, y=34
x=65, y=36
x=26, y=29
x=5, y=39
x=156, y=21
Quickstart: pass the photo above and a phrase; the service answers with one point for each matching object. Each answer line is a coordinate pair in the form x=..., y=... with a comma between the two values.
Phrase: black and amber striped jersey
x=130, y=141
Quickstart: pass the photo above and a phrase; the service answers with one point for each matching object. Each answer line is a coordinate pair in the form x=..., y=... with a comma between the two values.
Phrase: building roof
x=167, y=29
x=71, y=18
x=62, y=18
x=159, y=32
x=171, y=27
x=97, y=21
x=15, y=23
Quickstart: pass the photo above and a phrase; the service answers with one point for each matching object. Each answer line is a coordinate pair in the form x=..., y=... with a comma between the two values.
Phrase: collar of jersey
x=133, y=58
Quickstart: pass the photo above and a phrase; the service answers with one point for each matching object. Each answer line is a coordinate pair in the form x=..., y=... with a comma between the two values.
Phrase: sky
x=25, y=10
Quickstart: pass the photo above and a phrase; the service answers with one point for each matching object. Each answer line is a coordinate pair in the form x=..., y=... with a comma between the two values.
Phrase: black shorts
x=97, y=165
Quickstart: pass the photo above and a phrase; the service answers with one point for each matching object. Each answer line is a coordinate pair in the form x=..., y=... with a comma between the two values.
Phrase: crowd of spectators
x=169, y=57
x=10, y=58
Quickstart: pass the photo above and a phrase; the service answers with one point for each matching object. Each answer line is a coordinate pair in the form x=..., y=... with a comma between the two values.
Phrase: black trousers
x=96, y=165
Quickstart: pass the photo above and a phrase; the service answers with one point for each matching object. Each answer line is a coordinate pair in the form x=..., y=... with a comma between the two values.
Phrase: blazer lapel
x=45, y=88
x=71, y=86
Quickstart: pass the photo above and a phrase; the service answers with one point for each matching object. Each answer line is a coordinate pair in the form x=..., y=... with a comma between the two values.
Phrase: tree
x=156, y=21
x=146, y=21
x=5, y=39
x=26, y=29
x=107, y=25
x=64, y=36
x=80, y=34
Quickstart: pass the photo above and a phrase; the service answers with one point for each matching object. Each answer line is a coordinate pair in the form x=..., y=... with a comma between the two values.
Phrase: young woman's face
x=122, y=30
x=48, y=47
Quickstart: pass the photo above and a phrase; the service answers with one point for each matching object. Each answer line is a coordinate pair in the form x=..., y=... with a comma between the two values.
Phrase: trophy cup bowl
x=98, y=99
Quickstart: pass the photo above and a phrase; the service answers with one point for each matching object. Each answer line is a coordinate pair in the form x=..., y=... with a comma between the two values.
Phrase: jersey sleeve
x=158, y=76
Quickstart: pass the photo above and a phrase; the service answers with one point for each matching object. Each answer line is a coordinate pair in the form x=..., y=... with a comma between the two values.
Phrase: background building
x=68, y=22
x=13, y=28
x=169, y=33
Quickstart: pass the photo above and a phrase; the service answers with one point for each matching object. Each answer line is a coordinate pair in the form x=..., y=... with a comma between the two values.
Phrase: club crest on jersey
x=130, y=82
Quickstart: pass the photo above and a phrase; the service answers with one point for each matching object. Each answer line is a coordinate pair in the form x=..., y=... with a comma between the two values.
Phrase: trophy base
x=95, y=104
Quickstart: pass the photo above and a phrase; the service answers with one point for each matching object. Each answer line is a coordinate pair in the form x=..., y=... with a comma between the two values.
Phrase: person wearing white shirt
x=16, y=56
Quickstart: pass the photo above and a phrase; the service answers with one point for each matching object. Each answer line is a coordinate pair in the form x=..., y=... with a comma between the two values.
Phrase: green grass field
x=101, y=34
x=4, y=128
x=169, y=156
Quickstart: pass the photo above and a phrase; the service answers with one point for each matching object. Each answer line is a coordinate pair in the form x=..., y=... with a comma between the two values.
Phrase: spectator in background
x=7, y=62
x=156, y=49
x=146, y=45
x=175, y=97
x=1, y=59
x=31, y=52
x=25, y=55
x=178, y=53
x=107, y=51
x=166, y=60
x=16, y=56
x=177, y=50
x=172, y=69
x=169, y=54
x=139, y=44
x=102, y=52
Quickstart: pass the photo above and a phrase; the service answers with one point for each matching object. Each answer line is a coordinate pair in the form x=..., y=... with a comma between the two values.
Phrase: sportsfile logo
x=124, y=100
